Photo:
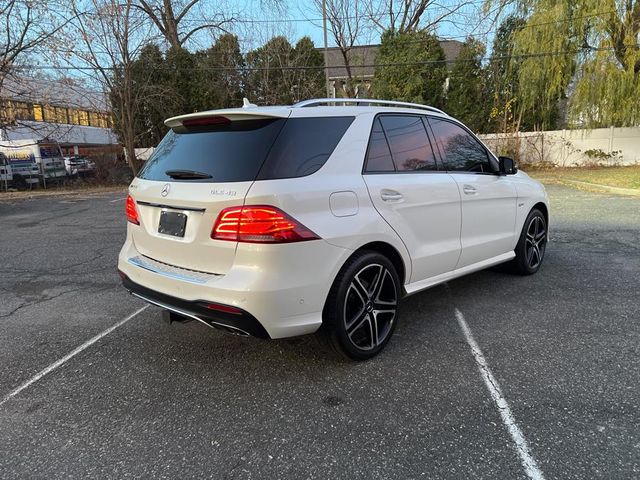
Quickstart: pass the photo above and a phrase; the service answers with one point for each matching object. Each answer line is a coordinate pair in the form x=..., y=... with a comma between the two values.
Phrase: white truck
x=6, y=175
x=33, y=161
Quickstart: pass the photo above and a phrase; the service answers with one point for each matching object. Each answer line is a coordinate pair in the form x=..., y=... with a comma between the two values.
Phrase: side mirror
x=507, y=166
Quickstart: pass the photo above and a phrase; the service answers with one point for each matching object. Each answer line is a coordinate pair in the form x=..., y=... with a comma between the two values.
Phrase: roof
x=362, y=59
x=62, y=93
x=318, y=107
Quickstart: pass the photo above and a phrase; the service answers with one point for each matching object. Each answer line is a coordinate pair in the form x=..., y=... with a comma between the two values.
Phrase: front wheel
x=532, y=244
x=361, y=311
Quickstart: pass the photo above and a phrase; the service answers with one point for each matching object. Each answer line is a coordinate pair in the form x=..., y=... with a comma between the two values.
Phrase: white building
x=61, y=112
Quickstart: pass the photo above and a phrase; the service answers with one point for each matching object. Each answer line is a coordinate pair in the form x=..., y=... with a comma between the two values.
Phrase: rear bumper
x=282, y=288
x=239, y=323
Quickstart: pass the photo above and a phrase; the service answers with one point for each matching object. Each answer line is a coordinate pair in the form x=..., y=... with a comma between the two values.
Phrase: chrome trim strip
x=171, y=207
x=239, y=331
x=170, y=271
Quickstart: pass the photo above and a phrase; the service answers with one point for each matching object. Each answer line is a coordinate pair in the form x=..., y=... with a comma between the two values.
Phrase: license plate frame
x=172, y=223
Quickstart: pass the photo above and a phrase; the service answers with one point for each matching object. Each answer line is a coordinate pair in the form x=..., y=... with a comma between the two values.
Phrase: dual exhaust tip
x=171, y=316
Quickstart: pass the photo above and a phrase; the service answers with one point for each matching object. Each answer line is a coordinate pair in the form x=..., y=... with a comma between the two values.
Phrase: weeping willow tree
x=584, y=51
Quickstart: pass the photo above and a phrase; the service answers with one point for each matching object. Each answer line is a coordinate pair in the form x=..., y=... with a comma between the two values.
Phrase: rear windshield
x=236, y=152
x=232, y=152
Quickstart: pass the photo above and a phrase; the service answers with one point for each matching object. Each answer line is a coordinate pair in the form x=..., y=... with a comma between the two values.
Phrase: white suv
x=275, y=221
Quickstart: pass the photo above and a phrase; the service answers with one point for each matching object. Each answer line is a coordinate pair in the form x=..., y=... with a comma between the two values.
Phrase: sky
x=259, y=21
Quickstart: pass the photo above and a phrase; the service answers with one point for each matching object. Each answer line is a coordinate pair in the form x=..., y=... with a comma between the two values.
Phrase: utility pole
x=326, y=58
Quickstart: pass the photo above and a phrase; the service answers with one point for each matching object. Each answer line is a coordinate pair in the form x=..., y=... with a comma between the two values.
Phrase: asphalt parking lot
x=147, y=399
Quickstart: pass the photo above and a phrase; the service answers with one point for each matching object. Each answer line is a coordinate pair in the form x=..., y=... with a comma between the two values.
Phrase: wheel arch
x=544, y=209
x=390, y=252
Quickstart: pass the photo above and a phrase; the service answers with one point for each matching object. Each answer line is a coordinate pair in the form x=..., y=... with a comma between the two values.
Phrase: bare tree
x=169, y=16
x=25, y=27
x=405, y=16
x=348, y=20
x=111, y=38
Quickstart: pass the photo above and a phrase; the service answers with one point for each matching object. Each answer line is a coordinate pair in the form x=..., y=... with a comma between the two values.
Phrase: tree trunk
x=171, y=26
x=349, y=88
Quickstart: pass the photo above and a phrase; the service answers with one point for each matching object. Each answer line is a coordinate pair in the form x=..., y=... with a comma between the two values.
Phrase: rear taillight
x=259, y=224
x=131, y=210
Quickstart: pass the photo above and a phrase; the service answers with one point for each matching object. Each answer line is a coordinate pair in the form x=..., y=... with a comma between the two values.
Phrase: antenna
x=247, y=104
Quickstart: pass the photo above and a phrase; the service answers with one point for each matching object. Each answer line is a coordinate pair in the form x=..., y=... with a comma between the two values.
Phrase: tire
x=361, y=312
x=531, y=245
x=19, y=182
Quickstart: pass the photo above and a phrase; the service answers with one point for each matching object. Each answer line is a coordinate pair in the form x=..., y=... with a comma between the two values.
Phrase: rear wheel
x=362, y=308
x=532, y=244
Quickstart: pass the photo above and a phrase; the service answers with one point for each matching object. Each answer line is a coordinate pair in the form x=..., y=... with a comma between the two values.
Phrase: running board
x=416, y=287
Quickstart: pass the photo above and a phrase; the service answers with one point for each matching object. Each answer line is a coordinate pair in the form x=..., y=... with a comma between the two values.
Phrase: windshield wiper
x=186, y=174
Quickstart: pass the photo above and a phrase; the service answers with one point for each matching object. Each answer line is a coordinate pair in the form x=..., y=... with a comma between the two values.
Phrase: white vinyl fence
x=569, y=148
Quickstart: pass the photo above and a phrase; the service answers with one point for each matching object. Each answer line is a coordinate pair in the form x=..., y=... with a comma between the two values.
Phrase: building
x=362, y=60
x=57, y=111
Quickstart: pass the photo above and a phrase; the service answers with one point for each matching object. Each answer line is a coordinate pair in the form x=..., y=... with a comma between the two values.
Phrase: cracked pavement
x=166, y=401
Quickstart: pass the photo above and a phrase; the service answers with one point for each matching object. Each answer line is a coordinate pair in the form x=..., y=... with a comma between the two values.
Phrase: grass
x=75, y=189
x=621, y=177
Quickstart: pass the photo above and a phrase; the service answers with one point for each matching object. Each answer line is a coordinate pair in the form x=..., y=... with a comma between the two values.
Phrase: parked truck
x=33, y=161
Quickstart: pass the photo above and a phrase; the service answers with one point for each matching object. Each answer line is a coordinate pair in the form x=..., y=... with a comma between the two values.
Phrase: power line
x=318, y=67
x=283, y=20
x=440, y=38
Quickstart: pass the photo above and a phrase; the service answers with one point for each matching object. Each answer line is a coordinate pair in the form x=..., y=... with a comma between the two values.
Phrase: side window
x=409, y=143
x=378, y=153
x=303, y=146
x=460, y=151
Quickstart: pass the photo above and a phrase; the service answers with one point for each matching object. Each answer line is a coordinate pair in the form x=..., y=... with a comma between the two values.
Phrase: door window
x=461, y=152
x=409, y=143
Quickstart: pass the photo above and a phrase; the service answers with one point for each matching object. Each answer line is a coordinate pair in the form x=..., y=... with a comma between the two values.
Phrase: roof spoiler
x=232, y=114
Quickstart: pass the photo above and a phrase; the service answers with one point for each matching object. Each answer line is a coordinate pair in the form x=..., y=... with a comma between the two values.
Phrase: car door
x=419, y=202
x=488, y=199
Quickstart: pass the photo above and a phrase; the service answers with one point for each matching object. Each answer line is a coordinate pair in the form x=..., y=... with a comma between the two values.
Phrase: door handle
x=390, y=195
x=469, y=190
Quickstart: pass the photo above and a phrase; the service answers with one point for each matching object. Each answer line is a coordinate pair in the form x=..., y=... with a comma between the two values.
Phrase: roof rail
x=363, y=101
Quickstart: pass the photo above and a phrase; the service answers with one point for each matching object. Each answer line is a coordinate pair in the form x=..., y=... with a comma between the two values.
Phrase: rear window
x=249, y=149
x=303, y=146
x=232, y=152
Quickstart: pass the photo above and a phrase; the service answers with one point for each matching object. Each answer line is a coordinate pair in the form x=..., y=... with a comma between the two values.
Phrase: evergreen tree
x=309, y=79
x=502, y=80
x=410, y=67
x=220, y=77
x=269, y=81
x=466, y=93
x=150, y=78
x=181, y=82
x=283, y=74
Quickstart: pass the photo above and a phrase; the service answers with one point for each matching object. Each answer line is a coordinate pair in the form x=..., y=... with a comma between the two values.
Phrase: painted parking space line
x=117, y=200
x=526, y=458
x=69, y=356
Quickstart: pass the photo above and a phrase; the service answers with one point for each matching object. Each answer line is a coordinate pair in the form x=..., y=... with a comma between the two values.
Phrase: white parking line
x=528, y=462
x=117, y=200
x=69, y=356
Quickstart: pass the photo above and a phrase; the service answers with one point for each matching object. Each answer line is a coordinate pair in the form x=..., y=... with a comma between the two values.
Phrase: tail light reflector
x=131, y=210
x=224, y=308
x=259, y=224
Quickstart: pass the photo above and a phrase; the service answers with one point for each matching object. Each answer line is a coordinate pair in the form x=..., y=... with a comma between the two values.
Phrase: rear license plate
x=172, y=223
